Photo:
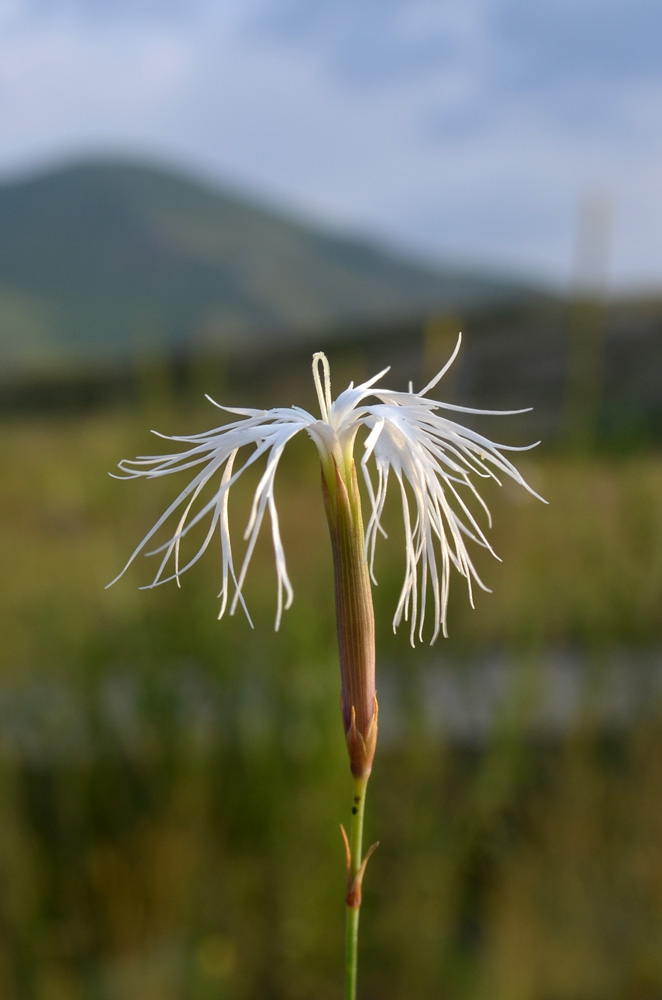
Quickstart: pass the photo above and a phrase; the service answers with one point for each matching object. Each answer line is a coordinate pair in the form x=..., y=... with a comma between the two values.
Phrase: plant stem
x=355, y=869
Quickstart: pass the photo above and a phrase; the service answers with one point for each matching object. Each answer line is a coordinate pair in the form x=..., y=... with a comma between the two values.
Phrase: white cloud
x=451, y=155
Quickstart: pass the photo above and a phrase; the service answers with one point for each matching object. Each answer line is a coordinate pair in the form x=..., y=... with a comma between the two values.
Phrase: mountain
x=103, y=261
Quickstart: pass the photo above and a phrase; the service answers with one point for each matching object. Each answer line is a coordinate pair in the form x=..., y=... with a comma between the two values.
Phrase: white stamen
x=324, y=396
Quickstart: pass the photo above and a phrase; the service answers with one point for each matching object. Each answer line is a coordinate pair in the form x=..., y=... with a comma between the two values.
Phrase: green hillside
x=101, y=261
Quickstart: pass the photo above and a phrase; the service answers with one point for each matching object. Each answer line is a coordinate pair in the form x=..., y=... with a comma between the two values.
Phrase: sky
x=518, y=137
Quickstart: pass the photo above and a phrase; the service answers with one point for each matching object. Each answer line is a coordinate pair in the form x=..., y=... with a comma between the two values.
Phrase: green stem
x=355, y=869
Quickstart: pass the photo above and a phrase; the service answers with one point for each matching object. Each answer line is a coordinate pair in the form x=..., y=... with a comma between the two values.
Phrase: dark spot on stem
x=354, y=810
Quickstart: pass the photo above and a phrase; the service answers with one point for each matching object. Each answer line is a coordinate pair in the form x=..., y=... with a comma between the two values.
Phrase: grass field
x=172, y=786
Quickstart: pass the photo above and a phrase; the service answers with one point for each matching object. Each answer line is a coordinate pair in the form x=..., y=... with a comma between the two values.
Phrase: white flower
x=435, y=461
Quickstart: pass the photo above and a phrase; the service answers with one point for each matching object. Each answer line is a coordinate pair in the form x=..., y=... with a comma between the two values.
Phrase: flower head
x=435, y=461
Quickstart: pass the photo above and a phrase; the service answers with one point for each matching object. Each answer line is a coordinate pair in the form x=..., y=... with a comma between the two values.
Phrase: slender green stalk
x=356, y=864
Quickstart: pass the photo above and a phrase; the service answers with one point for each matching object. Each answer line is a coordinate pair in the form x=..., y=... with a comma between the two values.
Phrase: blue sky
x=475, y=131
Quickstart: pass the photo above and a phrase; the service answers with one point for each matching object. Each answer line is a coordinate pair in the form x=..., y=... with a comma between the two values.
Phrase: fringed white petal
x=268, y=432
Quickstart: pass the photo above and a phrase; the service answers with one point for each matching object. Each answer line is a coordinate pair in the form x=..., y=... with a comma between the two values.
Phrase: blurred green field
x=172, y=786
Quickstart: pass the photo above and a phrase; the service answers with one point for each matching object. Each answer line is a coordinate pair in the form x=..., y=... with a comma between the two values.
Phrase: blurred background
x=194, y=197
